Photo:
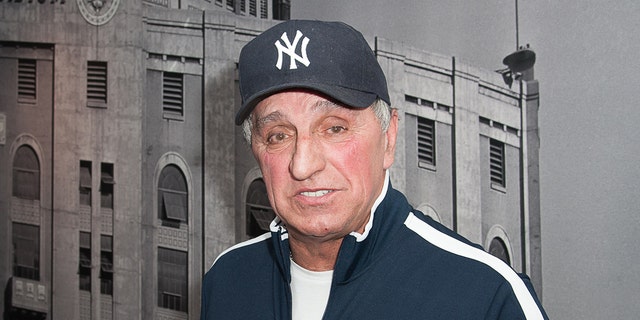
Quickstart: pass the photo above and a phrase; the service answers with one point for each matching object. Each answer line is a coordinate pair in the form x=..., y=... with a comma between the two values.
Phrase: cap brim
x=347, y=96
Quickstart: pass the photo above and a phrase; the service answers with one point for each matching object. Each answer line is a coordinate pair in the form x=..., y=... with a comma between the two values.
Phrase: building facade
x=122, y=175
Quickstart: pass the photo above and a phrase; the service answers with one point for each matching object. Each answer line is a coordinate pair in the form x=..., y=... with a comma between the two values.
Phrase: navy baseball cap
x=331, y=58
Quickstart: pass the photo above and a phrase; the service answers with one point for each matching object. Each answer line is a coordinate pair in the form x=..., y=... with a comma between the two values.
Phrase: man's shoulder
x=441, y=238
x=473, y=261
x=416, y=220
x=240, y=281
x=449, y=251
x=244, y=253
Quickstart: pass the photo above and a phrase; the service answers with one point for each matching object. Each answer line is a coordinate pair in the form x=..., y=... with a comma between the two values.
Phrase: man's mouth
x=318, y=193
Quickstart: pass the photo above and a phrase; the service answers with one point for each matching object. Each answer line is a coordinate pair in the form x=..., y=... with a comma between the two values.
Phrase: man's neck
x=315, y=256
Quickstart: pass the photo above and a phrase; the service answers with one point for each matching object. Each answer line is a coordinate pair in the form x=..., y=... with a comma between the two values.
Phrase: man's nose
x=307, y=158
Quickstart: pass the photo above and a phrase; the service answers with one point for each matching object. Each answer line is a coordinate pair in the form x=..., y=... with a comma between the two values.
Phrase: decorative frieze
x=173, y=238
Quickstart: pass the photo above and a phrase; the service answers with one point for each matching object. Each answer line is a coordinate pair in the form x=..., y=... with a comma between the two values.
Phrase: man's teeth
x=315, y=193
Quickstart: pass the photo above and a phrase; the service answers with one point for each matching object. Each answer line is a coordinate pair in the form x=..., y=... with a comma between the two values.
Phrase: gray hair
x=380, y=108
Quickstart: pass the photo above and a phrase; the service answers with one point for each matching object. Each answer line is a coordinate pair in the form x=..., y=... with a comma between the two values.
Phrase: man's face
x=323, y=164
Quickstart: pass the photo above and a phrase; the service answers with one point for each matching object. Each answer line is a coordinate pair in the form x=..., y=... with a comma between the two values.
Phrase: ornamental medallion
x=98, y=12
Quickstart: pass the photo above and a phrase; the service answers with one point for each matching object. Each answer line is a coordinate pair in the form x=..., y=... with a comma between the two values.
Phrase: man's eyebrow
x=276, y=115
x=325, y=104
x=273, y=116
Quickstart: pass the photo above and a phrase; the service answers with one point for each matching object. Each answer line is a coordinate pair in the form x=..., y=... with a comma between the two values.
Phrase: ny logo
x=290, y=50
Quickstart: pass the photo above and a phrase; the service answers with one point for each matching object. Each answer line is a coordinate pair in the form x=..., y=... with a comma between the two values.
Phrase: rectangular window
x=106, y=264
x=497, y=163
x=263, y=9
x=426, y=143
x=106, y=185
x=172, y=95
x=97, y=84
x=27, y=80
x=85, y=183
x=26, y=251
x=252, y=8
x=84, y=267
x=281, y=9
x=172, y=279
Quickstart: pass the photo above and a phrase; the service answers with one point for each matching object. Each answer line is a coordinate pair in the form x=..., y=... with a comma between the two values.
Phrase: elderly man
x=345, y=244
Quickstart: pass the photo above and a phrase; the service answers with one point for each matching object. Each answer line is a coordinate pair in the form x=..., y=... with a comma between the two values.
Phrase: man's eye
x=276, y=138
x=337, y=129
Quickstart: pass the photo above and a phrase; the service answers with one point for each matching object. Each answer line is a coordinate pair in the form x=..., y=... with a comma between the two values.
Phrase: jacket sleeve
x=507, y=305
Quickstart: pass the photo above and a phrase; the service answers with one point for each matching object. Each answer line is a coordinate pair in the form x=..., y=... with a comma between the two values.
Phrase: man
x=345, y=244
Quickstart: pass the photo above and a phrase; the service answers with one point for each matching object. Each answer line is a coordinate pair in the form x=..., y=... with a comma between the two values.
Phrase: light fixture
x=522, y=60
x=517, y=62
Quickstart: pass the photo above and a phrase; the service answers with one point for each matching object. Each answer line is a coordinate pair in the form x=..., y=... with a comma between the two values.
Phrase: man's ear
x=391, y=135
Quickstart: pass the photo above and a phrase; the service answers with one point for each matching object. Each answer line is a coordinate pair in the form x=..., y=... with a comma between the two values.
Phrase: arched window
x=259, y=211
x=172, y=197
x=26, y=174
x=498, y=249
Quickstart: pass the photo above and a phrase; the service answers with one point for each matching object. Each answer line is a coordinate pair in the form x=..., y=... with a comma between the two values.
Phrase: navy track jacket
x=406, y=266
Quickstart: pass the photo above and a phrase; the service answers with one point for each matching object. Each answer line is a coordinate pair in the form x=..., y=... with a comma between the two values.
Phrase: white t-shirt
x=309, y=292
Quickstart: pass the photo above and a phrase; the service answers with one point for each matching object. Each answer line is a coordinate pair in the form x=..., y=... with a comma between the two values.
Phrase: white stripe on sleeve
x=447, y=243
